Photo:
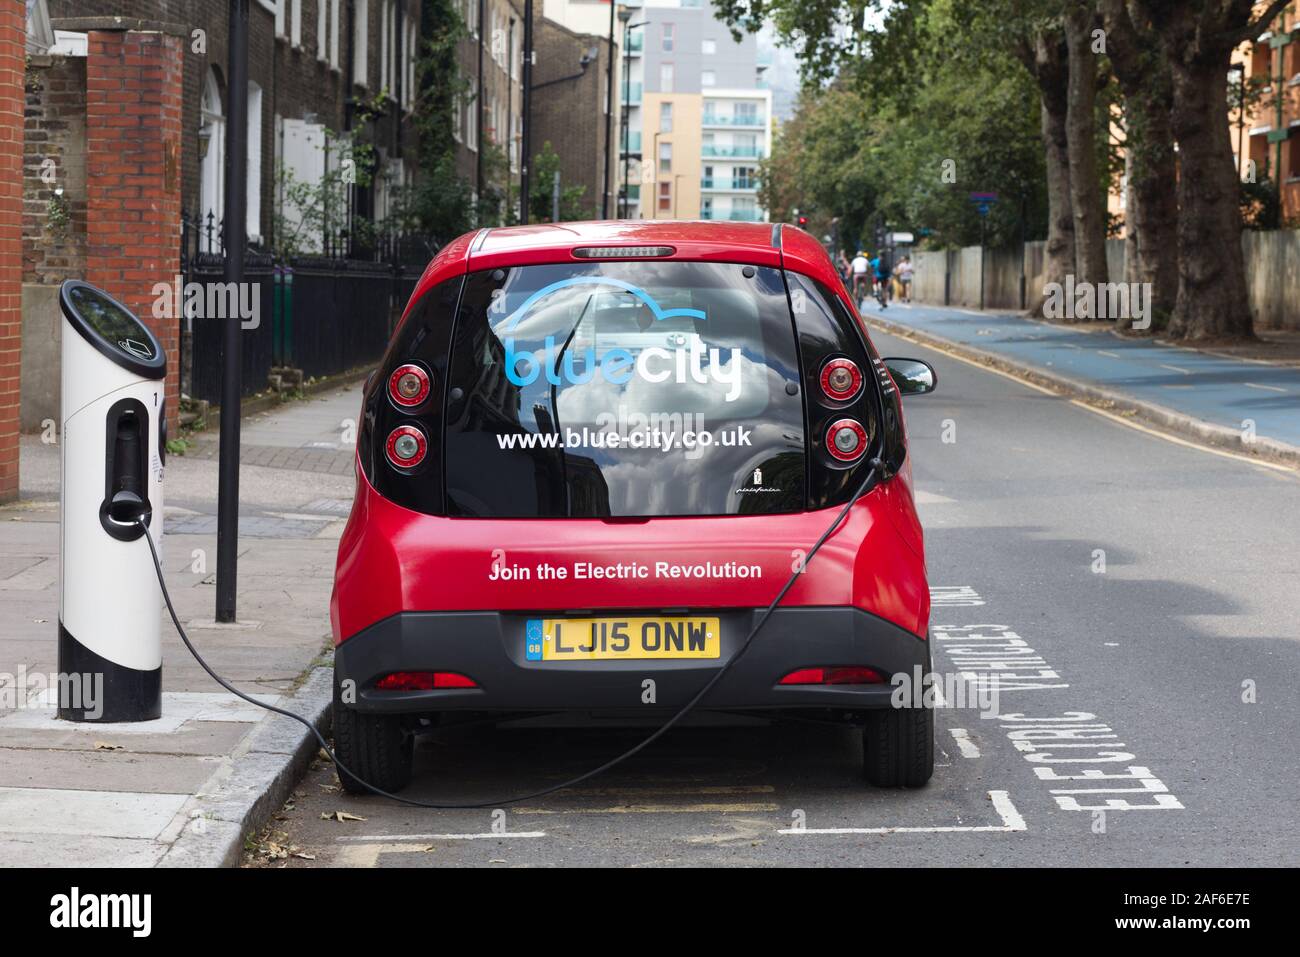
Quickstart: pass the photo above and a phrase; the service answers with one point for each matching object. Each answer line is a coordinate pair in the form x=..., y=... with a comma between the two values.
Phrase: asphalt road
x=1149, y=589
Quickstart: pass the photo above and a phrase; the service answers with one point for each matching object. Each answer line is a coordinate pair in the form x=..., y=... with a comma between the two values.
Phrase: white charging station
x=113, y=439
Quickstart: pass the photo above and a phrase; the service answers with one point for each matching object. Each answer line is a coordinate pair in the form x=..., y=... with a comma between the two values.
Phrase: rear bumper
x=489, y=648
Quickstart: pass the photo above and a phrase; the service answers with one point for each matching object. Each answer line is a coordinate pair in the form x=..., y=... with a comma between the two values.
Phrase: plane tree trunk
x=1197, y=38
x=1087, y=197
x=1044, y=55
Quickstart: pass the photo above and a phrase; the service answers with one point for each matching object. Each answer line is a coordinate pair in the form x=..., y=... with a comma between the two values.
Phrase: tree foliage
x=541, y=201
x=904, y=136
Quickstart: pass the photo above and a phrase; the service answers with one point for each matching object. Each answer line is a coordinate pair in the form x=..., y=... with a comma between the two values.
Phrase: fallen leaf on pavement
x=105, y=746
x=339, y=816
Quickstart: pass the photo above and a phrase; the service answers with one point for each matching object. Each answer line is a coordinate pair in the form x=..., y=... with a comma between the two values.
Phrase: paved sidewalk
x=1212, y=398
x=187, y=788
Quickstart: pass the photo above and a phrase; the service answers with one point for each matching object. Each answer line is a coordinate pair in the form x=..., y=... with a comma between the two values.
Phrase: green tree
x=546, y=166
x=906, y=135
x=440, y=203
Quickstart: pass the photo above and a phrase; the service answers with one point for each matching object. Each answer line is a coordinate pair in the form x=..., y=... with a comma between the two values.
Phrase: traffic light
x=803, y=221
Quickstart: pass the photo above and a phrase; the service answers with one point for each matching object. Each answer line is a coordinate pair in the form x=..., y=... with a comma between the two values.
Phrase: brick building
x=571, y=107
x=126, y=131
x=12, y=42
x=318, y=71
x=100, y=187
x=1270, y=127
x=570, y=94
x=489, y=111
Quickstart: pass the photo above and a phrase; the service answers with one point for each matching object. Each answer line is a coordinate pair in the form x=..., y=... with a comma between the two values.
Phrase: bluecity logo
x=683, y=364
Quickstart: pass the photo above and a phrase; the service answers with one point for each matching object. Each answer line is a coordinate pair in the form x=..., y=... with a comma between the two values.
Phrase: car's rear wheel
x=898, y=747
x=377, y=747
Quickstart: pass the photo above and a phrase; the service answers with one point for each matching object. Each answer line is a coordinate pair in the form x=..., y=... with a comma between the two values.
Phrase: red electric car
x=592, y=456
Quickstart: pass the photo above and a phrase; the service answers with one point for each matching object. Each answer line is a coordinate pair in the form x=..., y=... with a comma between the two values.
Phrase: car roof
x=623, y=232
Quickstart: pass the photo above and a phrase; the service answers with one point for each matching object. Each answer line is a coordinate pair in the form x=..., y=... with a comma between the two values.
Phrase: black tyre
x=377, y=747
x=898, y=747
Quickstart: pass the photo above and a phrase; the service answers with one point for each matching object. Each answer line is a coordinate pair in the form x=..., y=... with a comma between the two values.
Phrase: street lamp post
x=235, y=234
x=525, y=139
x=609, y=115
x=654, y=166
x=626, y=15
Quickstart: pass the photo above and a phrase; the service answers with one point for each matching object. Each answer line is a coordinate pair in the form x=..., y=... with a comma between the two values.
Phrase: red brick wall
x=133, y=176
x=54, y=208
x=13, y=33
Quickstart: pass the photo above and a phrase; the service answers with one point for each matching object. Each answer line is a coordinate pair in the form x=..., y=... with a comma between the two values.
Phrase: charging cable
x=868, y=483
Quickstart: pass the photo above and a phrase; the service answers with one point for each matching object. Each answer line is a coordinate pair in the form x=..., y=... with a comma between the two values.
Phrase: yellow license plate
x=611, y=639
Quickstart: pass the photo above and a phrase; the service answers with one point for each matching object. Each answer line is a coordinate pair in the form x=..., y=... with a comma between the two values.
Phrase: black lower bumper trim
x=489, y=648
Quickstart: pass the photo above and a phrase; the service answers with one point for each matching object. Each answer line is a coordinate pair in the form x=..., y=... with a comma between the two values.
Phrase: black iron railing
x=323, y=313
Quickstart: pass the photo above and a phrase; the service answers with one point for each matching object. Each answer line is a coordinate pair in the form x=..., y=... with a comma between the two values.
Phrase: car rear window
x=629, y=389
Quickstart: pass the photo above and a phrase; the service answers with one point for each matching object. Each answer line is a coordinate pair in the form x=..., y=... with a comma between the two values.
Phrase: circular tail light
x=846, y=439
x=841, y=379
x=408, y=386
x=406, y=447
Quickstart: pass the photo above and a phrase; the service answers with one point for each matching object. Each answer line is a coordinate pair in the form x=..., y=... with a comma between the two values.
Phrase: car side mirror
x=912, y=376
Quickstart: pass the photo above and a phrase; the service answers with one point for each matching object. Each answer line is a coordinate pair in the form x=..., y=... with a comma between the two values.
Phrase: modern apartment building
x=699, y=116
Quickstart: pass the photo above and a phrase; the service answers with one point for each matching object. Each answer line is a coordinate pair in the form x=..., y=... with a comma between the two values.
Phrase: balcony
x=631, y=93
x=728, y=185
x=635, y=43
x=737, y=152
x=750, y=121
x=632, y=143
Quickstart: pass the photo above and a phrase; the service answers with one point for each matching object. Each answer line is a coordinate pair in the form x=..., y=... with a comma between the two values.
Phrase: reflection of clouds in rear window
x=596, y=319
x=582, y=403
x=624, y=372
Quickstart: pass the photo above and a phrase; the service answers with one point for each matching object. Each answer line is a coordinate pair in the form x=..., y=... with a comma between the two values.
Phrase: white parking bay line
x=965, y=745
x=403, y=838
x=1266, y=388
x=1012, y=823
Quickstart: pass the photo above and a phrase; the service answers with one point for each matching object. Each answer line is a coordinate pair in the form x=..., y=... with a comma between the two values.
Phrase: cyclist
x=880, y=272
x=861, y=267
